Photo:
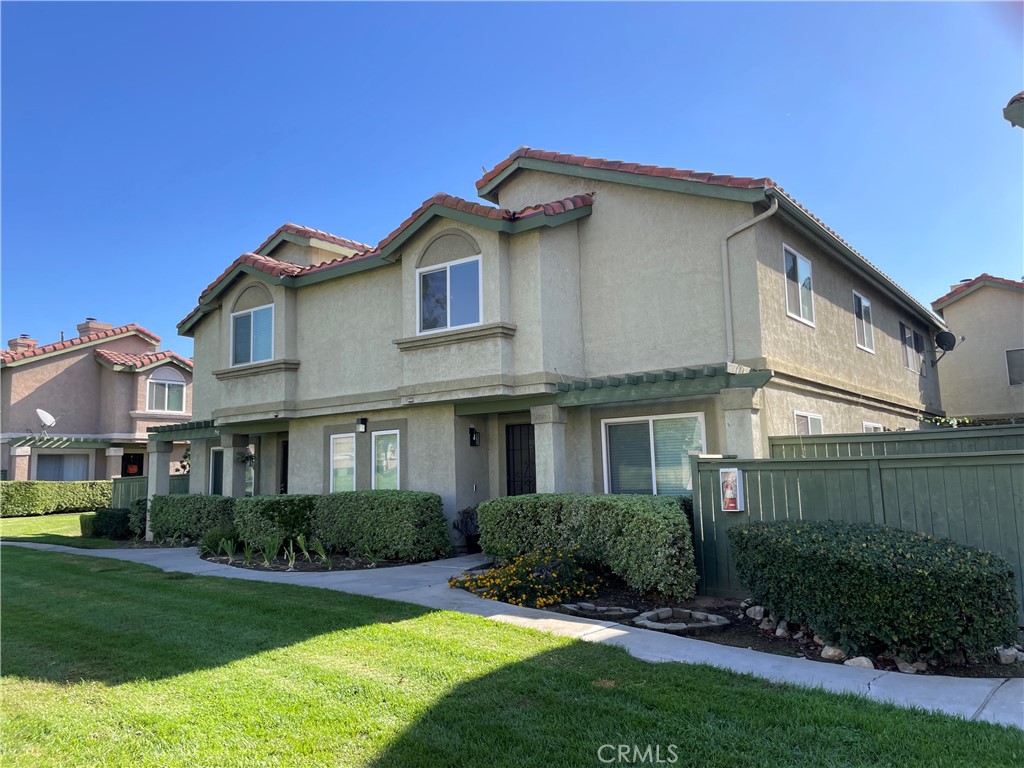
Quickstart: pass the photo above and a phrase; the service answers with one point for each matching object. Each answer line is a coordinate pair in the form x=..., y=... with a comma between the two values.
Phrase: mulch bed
x=338, y=563
x=743, y=632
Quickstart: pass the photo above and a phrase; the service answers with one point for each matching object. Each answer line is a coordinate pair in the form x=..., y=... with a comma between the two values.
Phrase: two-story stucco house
x=587, y=332
x=105, y=388
x=983, y=377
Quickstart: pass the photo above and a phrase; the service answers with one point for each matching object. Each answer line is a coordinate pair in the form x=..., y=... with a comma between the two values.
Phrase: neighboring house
x=605, y=320
x=1014, y=110
x=105, y=388
x=983, y=377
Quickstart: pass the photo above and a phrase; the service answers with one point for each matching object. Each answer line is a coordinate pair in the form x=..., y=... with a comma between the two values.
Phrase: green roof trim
x=191, y=430
x=45, y=441
x=488, y=191
x=657, y=385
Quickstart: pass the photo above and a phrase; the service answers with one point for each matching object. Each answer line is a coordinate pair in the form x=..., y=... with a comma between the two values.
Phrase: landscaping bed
x=335, y=562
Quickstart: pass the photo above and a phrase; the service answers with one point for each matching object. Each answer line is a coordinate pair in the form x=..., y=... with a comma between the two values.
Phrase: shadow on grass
x=71, y=618
x=78, y=542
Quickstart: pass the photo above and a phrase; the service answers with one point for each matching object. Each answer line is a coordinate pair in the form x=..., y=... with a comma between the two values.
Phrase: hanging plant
x=248, y=458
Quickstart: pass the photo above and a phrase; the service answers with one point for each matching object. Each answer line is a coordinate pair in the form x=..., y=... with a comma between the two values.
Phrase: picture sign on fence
x=731, y=482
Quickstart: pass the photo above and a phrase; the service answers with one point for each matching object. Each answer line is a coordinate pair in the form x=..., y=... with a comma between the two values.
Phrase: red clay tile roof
x=983, y=277
x=742, y=182
x=7, y=356
x=1015, y=99
x=140, y=361
x=314, y=234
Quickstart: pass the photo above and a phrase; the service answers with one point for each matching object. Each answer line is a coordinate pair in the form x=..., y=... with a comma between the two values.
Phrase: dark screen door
x=521, y=476
x=217, y=473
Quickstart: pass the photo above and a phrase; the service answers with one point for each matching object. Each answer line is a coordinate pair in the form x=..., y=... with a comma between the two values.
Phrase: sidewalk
x=426, y=584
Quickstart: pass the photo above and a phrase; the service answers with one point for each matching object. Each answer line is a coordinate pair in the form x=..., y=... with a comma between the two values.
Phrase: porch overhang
x=192, y=430
x=691, y=381
x=45, y=441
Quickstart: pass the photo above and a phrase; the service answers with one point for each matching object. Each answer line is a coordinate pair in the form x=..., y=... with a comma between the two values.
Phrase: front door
x=520, y=474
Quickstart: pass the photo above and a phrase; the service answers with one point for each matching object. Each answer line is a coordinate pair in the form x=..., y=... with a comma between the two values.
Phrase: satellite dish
x=46, y=420
x=945, y=341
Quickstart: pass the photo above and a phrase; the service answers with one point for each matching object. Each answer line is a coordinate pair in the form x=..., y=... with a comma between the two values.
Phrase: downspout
x=730, y=340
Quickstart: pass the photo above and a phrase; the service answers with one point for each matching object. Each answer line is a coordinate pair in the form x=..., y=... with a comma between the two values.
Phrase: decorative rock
x=755, y=612
x=746, y=604
x=904, y=667
x=1006, y=655
x=773, y=618
x=920, y=666
x=678, y=621
x=586, y=606
x=783, y=629
x=611, y=613
x=819, y=641
x=863, y=662
x=798, y=636
x=831, y=653
x=767, y=624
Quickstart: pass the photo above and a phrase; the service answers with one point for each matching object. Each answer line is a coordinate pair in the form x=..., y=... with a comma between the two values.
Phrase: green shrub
x=872, y=589
x=111, y=524
x=273, y=517
x=188, y=516
x=41, y=497
x=210, y=541
x=536, y=580
x=137, y=516
x=409, y=526
x=645, y=540
x=86, y=522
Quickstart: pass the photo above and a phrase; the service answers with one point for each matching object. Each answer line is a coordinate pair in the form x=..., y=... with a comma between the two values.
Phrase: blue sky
x=145, y=146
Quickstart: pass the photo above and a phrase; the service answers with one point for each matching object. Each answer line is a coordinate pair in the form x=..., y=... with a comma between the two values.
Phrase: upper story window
x=913, y=350
x=799, y=287
x=252, y=335
x=862, y=320
x=1015, y=366
x=808, y=423
x=449, y=295
x=166, y=391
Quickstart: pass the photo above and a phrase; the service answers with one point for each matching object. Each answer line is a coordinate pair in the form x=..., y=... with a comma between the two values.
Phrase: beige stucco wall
x=828, y=352
x=974, y=378
x=840, y=413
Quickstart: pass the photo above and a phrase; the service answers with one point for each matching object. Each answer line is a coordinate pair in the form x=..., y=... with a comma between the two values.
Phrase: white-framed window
x=343, y=462
x=64, y=466
x=449, y=296
x=386, y=460
x=914, y=357
x=1015, y=366
x=651, y=454
x=808, y=423
x=799, y=287
x=165, y=391
x=865, y=330
x=252, y=335
x=216, y=471
x=870, y=426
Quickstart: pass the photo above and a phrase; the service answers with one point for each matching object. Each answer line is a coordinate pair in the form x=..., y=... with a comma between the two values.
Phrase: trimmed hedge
x=408, y=526
x=41, y=497
x=645, y=540
x=188, y=516
x=259, y=518
x=871, y=589
x=137, y=516
x=111, y=524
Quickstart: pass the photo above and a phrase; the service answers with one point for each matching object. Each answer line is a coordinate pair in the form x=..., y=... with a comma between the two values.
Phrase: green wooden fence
x=973, y=498
x=128, y=489
x=1005, y=437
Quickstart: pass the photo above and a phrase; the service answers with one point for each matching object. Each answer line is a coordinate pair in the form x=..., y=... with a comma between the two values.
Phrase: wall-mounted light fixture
x=474, y=436
x=361, y=424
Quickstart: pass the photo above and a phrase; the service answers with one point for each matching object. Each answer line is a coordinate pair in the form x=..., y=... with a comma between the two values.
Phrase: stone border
x=679, y=621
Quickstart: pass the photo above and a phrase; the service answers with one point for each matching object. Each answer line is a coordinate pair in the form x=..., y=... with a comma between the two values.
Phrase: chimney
x=92, y=326
x=22, y=343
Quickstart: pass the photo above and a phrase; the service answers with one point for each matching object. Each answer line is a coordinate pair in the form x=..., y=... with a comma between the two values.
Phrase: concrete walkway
x=426, y=584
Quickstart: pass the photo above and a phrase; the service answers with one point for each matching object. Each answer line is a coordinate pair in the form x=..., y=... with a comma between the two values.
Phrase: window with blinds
x=651, y=454
x=252, y=335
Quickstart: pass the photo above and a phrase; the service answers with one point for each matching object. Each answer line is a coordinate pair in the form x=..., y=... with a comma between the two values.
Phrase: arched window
x=166, y=391
x=252, y=326
x=448, y=284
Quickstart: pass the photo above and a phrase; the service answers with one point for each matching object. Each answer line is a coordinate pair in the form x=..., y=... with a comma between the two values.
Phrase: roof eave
x=942, y=303
x=212, y=299
x=489, y=191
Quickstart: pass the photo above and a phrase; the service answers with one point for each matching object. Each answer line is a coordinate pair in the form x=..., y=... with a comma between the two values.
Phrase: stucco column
x=114, y=456
x=741, y=408
x=549, y=447
x=199, y=465
x=234, y=470
x=159, y=460
x=267, y=460
x=21, y=455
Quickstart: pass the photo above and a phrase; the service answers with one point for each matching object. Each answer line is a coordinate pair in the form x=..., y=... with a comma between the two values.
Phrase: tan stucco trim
x=499, y=330
x=840, y=392
x=274, y=366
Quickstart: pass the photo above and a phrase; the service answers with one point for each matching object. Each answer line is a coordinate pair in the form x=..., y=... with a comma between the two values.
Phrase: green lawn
x=51, y=529
x=114, y=664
